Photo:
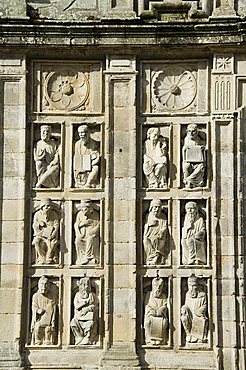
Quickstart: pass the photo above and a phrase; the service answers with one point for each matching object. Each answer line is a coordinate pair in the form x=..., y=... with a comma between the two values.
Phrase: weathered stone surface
x=158, y=90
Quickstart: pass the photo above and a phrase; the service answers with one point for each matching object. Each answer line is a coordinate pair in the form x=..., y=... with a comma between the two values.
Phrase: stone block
x=13, y=231
x=122, y=276
x=13, y=188
x=12, y=93
x=7, y=324
x=14, y=165
x=13, y=209
x=121, y=119
x=10, y=301
x=11, y=276
x=121, y=322
x=12, y=253
x=123, y=232
x=14, y=141
x=121, y=253
x=14, y=117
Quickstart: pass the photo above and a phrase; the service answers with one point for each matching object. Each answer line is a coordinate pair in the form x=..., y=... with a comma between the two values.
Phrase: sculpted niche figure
x=155, y=159
x=155, y=234
x=194, y=160
x=194, y=313
x=156, y=314
x=44, y=314
x=87, y=228
x=86, y=159
x=193, y=236
x=47, y=158
x=84, y=322
x=46, y=222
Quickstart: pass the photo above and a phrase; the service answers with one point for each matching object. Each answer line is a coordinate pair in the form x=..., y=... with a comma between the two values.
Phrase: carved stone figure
x=44, y=314
x=87, y=227
x=194, y=159
x=156, y=315
x=47, y=158
x=193, y=236
x=194, y=313
x=46, y=233
x=155, y=159
x=86, y=159
x=84, y=322
x=155, y=235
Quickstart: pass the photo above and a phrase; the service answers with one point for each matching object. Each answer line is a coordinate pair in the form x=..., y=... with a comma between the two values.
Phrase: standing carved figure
x=155, y=159
x=86, y=159
x=46, y=233
x=47, y=158
x=194, y=313
x=44, y=314
x=84, y=322
x=194, y=159
x=155, y=234
x=87, y=228
x=156, y=314
x=193, y=236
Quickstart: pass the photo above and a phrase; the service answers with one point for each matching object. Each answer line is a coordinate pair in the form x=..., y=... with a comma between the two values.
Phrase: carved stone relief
x=66, y=89
x=86, y=160
x=155, y=234
x=85, y=322
x=193, y=158
x=44, y=322
x=193, y=238
x=155, y=159
x=194, y=312
x=47, y=158
x=173, y=89
x=46, y=225
x=156, y=318
x=87, y=233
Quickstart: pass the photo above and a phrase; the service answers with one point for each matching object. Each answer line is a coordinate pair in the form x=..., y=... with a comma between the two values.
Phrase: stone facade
x=122, y=172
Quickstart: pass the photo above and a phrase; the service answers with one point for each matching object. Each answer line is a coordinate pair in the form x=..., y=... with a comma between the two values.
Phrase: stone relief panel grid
x=66, y=225
x=187, y=198
x=174, y=87
x=67, y=87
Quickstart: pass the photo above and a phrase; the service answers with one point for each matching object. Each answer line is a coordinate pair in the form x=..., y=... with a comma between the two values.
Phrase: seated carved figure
x=87, y=227
x=84, y=322
x=194, y=160
x=44, y=314
x=86, y=159
x=193, y=236
x=46, y=233
x=47, y=158
x=194, y=313
x=155, y=235
x=155, y=159
x=156, y=315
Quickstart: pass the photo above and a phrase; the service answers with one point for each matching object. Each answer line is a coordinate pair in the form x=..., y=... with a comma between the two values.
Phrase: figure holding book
x=44, y=314
x=194, y=159
x=46, y=233
x=86, y=159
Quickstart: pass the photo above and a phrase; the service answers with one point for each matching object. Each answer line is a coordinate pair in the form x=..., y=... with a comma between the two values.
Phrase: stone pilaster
x=12, y=112
x=121, y=84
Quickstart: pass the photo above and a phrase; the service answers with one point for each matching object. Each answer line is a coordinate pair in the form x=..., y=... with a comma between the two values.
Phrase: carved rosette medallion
x=173, y=89
x=66, y=90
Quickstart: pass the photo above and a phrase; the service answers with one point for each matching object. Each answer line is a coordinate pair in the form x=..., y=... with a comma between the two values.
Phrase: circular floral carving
x=66, y=89
x=173, y=89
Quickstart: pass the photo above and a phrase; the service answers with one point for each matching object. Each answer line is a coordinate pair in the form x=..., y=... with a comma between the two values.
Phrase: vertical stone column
x=12, y=115
x=121, y=84
x=241, y=208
